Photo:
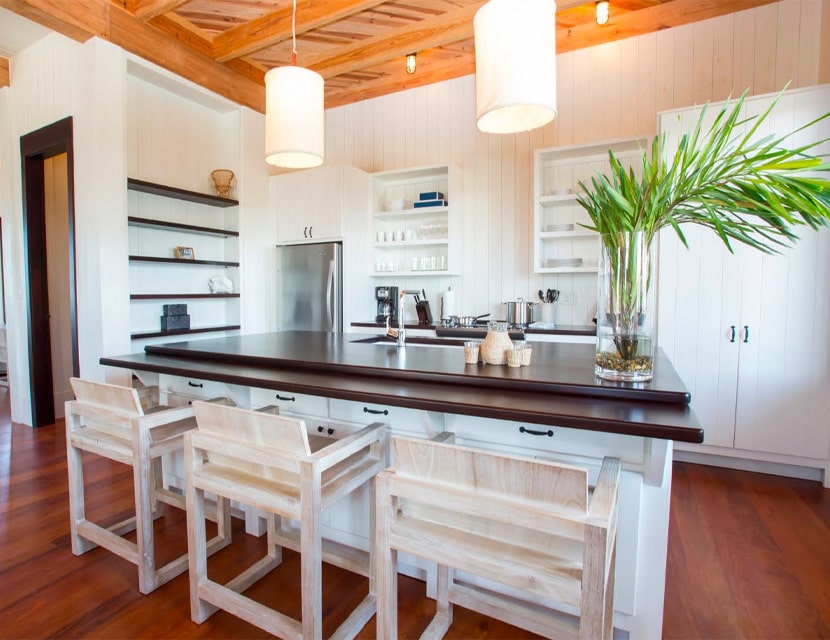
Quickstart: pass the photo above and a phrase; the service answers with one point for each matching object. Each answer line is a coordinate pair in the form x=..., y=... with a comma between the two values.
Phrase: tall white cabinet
x=747, y=332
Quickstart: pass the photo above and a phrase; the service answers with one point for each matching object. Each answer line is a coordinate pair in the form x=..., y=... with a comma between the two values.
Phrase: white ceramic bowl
x=397, y=204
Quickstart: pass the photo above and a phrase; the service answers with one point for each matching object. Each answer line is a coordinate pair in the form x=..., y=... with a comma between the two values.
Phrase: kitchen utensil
x=541, y=296
x=520, y=313
x=470, y=321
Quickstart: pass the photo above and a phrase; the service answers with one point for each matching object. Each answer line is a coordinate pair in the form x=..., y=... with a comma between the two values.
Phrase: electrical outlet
x=567, y=298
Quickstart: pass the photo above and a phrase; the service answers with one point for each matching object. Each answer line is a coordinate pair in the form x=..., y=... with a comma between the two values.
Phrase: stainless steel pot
x=521, y=313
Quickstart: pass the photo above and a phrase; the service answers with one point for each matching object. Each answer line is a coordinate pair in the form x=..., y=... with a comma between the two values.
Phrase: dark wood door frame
x=35, y=147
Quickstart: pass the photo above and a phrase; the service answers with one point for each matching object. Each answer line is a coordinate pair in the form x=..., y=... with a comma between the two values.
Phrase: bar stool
x=523, y=523
x=270, y=462
x=129, y=426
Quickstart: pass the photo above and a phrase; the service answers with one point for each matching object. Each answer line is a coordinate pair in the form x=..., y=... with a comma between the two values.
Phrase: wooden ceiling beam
x=79, y=19
x=131, y=34
x=648, y=20
x=149, y=9
x=437, y=72
x=449, y=27
x=5, y=76
x=272, y=28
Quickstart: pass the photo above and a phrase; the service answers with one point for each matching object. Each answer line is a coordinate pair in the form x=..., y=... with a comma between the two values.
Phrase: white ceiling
x=17, y=33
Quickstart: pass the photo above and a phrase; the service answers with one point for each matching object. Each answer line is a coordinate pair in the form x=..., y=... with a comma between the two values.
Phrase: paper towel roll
x=448, y=303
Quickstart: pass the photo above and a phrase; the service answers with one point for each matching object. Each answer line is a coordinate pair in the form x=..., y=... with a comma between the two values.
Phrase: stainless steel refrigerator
x=310, y=287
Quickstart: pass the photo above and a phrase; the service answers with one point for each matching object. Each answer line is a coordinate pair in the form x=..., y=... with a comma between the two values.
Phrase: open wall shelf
x=179, y=194
x=182, y=261
x=150, y=223
x=182, y=296
x=159, y=334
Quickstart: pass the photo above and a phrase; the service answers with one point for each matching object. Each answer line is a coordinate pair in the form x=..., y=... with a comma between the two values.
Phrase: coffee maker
x=387, y=304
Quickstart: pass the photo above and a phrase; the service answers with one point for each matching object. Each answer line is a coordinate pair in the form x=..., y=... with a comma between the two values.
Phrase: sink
x=414, y=341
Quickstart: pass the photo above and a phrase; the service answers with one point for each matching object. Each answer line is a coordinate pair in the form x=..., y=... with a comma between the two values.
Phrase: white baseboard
x=809, y=471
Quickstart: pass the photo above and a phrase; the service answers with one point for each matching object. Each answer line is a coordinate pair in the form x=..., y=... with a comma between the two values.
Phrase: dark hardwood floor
x=749, y=557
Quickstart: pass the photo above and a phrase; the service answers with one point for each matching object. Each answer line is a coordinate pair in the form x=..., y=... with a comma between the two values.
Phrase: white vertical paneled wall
x=609, y=91
x=53, y=79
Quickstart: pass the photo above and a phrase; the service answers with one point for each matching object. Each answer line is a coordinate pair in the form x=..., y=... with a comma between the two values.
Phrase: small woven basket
x=223, y=181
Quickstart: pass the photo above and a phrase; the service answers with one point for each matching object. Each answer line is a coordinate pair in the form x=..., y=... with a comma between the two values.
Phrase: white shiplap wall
x=604, y=92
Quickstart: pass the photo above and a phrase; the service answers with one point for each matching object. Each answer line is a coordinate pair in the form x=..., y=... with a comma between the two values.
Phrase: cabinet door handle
x=305, y=232
x=746, y=333
x=376, y=412
x=732, y=333
x=534, y=432
x=310, y=234
x=193, y=384
x=329, y=431
x=285, y=398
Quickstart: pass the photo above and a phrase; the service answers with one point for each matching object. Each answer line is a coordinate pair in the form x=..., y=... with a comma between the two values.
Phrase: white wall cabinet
x=747, y=332
x=311, y=204
x=411, y=239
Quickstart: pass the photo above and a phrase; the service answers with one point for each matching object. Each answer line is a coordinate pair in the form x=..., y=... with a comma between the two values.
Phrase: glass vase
x=626, y=309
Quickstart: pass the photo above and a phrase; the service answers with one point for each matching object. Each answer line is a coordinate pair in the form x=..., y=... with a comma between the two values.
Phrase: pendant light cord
x=294, y=35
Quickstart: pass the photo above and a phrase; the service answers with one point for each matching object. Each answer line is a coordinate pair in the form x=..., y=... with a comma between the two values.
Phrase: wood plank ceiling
x=359, y=46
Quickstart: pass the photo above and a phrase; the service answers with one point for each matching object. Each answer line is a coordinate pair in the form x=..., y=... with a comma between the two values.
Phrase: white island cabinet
x=747, y=332
x=553, y=410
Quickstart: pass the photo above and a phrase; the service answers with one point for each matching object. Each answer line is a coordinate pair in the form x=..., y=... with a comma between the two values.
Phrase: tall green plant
x=745, y=187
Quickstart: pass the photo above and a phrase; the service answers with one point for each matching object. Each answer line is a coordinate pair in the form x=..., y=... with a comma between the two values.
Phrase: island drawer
x=400, y=419
x=558, y=443
x=191, y=388
x=289, y=402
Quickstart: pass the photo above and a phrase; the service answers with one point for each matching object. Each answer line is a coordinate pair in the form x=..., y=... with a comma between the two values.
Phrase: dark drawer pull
x=732, y=334
x=329, y=431
x=534, y=432
x=193, y=384
x=376, y=412
x=286, y=398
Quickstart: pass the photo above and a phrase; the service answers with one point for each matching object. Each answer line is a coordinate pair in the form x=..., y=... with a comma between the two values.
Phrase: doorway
x=49, y=248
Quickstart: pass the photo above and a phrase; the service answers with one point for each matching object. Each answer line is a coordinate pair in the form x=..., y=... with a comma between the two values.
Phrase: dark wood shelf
x=219, y=263
x=159, y=334
x=180, y=296
x=176, y=226
x=179, y=194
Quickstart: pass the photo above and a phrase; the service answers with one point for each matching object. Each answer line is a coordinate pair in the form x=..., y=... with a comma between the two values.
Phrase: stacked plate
x=553, y=263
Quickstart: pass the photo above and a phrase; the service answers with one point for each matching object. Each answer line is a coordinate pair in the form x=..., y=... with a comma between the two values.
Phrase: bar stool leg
x=142, y=481
x=386, y=565
x=311, y=551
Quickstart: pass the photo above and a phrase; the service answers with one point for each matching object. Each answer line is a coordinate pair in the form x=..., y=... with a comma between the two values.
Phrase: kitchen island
x=555, y=409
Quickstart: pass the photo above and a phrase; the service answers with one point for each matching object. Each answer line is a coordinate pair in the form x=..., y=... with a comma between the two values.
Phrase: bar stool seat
x=530, y=525
x=271, y=463
x=129, y=426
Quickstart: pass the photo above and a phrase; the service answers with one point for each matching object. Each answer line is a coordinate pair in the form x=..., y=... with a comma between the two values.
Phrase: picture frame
x=185, y=253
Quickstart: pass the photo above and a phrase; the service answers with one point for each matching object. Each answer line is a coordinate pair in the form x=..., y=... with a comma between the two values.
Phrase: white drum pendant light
x=515, y=44
x=293, y=117
x=294, y=110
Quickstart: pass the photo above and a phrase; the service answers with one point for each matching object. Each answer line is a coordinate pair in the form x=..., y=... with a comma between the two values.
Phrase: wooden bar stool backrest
x=117, y=406
x=254, y=429
x=559, y=493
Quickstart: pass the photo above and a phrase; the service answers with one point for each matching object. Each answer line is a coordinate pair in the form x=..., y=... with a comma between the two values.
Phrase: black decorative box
x=175, y=323
x=174, y=309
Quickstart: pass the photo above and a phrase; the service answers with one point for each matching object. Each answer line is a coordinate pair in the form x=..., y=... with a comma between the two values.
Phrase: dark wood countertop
x=558, y=389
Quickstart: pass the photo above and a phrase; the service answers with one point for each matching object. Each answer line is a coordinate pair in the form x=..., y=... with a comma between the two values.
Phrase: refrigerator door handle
x=330, y=296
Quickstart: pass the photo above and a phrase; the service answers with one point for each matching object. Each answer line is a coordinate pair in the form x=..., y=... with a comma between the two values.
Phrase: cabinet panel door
x=308, y=204
x=698, y=305
x=783, y=404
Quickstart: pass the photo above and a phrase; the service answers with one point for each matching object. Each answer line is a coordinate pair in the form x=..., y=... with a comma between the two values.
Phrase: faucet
x=400, y=332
